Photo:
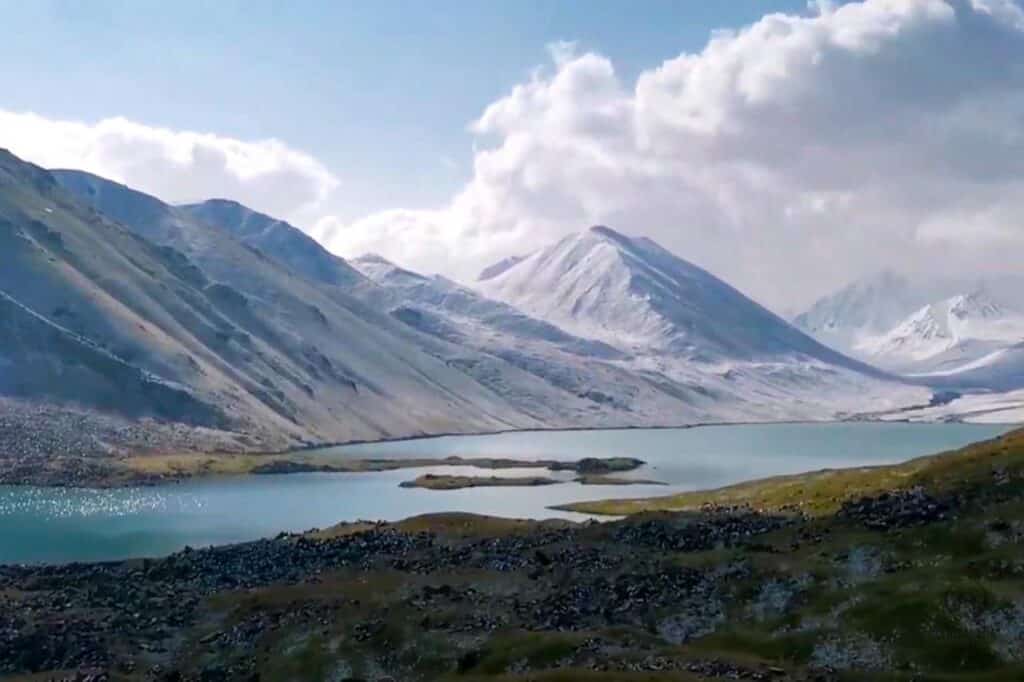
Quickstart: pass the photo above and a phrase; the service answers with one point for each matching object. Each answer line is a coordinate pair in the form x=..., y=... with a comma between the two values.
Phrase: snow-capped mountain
x=864, y=309
x=633, y=294
x=854, y=318
x=300, y=356
x=576, y=370
x=268, y=332
x=947, y=335
x=672, y=319
x=278, y=239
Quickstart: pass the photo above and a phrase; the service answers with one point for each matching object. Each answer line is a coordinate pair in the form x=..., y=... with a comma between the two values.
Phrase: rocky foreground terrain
x=916, y=574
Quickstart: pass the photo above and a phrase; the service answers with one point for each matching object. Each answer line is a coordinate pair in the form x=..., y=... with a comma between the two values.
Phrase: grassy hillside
x=823, y=492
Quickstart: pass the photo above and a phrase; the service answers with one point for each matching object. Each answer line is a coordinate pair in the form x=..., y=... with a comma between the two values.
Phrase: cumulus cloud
x=787, y=156
x=175, y=165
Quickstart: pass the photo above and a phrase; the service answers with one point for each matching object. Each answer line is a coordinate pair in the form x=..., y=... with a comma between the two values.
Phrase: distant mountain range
x=940, y=328
x=222, y=320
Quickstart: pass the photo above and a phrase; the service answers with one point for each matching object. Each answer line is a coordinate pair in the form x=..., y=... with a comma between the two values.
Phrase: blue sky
x=381, y=91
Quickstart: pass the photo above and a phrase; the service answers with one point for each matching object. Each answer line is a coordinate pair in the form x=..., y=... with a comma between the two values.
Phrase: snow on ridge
x=634, y=294
x=969, y=327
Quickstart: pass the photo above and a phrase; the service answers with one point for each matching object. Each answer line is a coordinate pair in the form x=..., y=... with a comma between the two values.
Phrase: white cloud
x=175, y=165
x=787, y=156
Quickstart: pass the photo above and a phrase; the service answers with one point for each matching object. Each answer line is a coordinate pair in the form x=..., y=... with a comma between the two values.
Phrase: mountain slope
x=96, y=317
x=538, y=368
x=855, y=317
x=574, y=368
x=489, y=390
x=276, y=238
x=295, y=343
x=326, y=366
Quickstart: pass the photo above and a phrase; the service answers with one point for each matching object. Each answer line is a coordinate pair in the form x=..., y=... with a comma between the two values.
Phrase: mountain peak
x=604, y=230
x=228, y=204
x=977, y=303
x=634, y=294
x=372, y=258
x=970, y=324
x=16, y=170
x=380, y=269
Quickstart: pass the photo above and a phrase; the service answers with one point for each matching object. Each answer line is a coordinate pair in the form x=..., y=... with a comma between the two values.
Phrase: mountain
x=575, y=369
x=275, y=238
x=357, y=323
x=535, y=366
x=439, y=294
x=945, y=335
x=273, y=341
x=669, y=317
x=854, y=318
x=864, y=308
x=999, y=370
x=73, y=332
x=927, y=328
x=634, y=294
x=301, y=359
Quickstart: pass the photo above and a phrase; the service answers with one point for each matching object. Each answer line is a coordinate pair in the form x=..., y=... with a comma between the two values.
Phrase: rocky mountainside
x=558, y=376
x=238, y=326
x=117, y=302
x=92, y=314
x=575, y=368
x=276, y=238
x=504, y=389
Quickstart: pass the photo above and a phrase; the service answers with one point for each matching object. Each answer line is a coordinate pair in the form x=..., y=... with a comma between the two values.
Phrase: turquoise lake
x=56, y=525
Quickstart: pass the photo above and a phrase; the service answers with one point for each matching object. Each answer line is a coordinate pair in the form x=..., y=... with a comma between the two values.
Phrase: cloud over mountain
x=788, y=156
x=175, y=165
x=884, y=131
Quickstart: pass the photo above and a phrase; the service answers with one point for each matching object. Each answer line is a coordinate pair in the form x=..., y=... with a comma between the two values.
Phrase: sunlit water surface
x=56, y=525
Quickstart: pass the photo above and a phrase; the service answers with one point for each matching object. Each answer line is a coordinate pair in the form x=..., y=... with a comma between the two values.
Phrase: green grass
x=823, y=492
x=537, y=649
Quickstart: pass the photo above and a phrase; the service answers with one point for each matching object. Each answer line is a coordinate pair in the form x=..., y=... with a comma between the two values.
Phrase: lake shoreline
x=150, y=521
x=145, y=470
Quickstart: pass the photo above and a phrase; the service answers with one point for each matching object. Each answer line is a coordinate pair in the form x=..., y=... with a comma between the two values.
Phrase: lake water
x=54, y=525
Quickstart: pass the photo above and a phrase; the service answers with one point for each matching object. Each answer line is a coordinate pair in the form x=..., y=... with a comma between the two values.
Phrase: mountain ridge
x=658, y=301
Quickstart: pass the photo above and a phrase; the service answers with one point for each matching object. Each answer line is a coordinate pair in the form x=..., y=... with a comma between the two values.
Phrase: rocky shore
x=48, y=445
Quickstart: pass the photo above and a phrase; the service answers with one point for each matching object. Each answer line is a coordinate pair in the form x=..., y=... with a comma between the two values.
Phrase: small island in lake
x=591, y=470
x=603, y=479
x=442, y=482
